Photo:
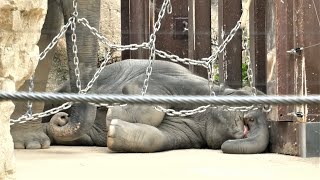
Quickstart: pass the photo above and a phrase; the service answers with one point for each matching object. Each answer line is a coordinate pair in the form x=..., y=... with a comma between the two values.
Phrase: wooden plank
x=139, y=26
x=125, y=34
x=306, y=62
x=280, y=65
x=285, y=63
x=284, y=137
x=166, y=36
x=200, y=33
x=230, y=62
x=279, y=39
x=258, y=54
x=287, y=28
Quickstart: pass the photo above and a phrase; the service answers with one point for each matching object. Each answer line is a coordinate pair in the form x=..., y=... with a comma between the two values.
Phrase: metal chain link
x=176, y=58
x=223, y=45
x=172, y=112
x=55, y=40
x=29, y=103
x=106, y=42
x=75, y=53
x=166, y=5
x=205, y=62
x=246, y=48
x=75, y=8
x=71, y=22
x=36, y=116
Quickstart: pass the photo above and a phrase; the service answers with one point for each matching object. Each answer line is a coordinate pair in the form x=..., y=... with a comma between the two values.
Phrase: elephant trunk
x=81, y=116
x=256, y=142
x=64, y=128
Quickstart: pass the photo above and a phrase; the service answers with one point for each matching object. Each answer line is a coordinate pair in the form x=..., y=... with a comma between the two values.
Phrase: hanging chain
x=36, y=116
x=166, y=6
x=75, y=8
x=223, y=45
x=55, y=40
x=152, y=43
x=75, y=53
x=246, y=48
x=107, y=57
x=29, y=103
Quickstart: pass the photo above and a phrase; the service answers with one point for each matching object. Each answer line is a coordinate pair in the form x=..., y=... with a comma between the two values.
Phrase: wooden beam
x=139, y=26
x=125, y=33
x=199, y=33
x=258, y=54
x=230, y=62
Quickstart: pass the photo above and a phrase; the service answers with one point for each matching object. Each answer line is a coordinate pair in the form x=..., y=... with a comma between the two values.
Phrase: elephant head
x=80, y=117
x=257, y=135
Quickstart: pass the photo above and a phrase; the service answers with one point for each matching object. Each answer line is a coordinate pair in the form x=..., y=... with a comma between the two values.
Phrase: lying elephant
x=141, y=128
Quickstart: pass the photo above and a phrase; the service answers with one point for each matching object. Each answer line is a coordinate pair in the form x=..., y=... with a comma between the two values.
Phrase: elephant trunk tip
x=64, y=128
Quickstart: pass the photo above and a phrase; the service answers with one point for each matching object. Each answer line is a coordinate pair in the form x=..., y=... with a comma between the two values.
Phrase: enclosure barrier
x=106, y=100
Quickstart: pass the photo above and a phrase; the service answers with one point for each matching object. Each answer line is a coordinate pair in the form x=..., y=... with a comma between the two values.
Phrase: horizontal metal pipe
x=160, y=99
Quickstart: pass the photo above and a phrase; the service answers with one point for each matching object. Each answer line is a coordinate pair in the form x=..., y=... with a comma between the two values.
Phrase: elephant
x=31, y=135
x=141, y=128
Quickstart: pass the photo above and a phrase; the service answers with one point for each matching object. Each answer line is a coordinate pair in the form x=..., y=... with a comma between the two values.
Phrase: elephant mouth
x=246, y=131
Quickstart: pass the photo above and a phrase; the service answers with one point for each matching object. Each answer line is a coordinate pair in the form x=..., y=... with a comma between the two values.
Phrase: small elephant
x=141, y=128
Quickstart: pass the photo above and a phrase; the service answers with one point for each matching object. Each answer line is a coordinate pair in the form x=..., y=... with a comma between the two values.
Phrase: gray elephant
x=30, y=135
x=141, y=128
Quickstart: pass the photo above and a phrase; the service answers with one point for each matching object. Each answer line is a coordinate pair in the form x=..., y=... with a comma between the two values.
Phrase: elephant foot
x=29, y=137
x=134, y=137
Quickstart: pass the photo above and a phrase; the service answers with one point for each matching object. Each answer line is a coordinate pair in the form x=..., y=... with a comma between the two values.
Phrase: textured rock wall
x=20, y=26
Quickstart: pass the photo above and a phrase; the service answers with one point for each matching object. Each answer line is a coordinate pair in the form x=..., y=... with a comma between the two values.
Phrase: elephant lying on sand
x=140, y=128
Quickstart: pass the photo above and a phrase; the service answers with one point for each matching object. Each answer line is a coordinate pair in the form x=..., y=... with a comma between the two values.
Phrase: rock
x=20, y=26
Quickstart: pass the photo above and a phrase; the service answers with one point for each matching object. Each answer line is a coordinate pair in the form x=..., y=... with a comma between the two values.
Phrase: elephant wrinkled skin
x=141, y=128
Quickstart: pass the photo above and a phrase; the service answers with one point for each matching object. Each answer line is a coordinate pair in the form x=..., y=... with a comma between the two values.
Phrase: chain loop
x=246, y=48
x=166, y=7
x=75, y=53
x=75, y=8
x=152, y=45
x=29, y=103
x=55, y=40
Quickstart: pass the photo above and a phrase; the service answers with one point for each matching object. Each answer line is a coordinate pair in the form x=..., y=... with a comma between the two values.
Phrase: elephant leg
x=134, y=137
x=30, y=135
x=145, y=114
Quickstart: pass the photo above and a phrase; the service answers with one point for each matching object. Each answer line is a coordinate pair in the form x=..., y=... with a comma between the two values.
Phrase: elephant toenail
x=114, y=121
x=111, y=130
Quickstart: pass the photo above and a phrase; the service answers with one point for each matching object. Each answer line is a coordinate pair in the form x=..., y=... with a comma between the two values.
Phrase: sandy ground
x=99, y=163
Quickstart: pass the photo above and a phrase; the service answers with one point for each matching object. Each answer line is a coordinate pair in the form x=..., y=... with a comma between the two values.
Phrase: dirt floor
x=99, y=163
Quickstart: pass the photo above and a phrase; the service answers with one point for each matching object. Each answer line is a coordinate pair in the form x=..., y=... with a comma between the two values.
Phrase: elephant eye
x=251, y=119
